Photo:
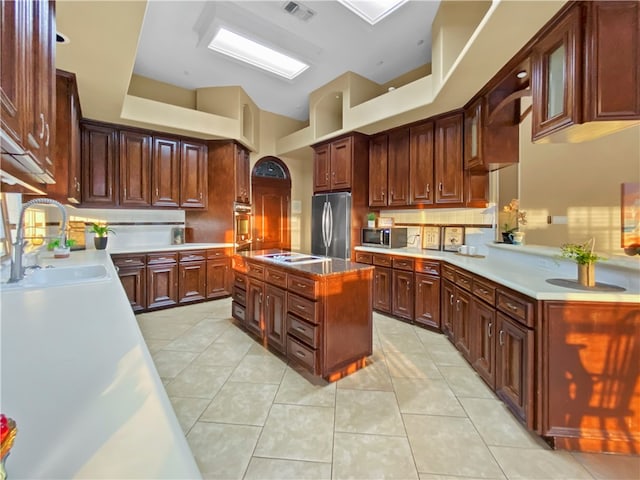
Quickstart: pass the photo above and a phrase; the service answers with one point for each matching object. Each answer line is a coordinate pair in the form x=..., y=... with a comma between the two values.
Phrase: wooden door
x=242, y=175
x=378, y=156
x=193, y=175
x=514, y=366
x=462, y=323
x=448, y=160
x=99, y=155
x=483, y=334
x=402, y=289
x=275, y=314
x=427, y=307
x=447, y=309
x=382, y=289
x=399, y=167
x=321, y=169
x=217, y=278
x=165, y=172
x=254, y=314
x=135, y=168
x=192, y=282
x=421, y=187
x=134, y=284
x=271, y=204
x=341, y=164
x=162, y=285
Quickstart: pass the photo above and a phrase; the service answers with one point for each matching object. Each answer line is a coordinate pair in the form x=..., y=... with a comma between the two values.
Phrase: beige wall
x=162, y=92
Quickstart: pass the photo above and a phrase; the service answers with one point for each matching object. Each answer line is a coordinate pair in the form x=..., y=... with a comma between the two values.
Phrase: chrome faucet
x=17, y=272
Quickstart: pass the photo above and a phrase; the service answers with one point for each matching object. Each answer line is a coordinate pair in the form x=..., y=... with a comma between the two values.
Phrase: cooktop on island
x=293, y=258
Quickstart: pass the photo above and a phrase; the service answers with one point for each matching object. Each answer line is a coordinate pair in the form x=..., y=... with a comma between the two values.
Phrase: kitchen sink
x=59, y=276
x=293, y=258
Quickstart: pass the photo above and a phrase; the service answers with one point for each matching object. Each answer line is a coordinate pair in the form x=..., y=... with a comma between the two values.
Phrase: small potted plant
x=60, y=251
x=585, y=258
x=371, y=219
x=102, y=232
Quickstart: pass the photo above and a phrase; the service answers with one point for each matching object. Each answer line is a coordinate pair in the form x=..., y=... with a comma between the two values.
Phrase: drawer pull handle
x=451, y=299
x=483, y=291
x=512, y=306
x=501, y=337
x=301, y=307
x=300, y=353
x=276, y=277
x=301, y=329
x=458, y=305
x=301, y=285
x=489, y=329
x=128, y=260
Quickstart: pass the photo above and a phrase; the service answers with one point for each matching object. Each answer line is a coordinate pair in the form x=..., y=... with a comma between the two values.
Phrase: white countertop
x=526, y=271
x=166, y=248
x=80, y=383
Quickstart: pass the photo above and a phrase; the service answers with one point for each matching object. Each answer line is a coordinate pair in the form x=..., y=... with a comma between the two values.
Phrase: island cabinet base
x=591, y=376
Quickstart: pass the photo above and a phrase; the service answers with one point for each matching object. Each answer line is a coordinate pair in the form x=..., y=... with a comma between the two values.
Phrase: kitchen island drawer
x=403, y=263
x=162, y=258
x=255, y=270
x=303, y=308
x=301, y=353
x=192, y=256
x=238, y=311
x=516, y=306
x=275, y=277
x=240, y=280
x=239, y=295
x=306, y=287
x=127, y=260
x=302, y=330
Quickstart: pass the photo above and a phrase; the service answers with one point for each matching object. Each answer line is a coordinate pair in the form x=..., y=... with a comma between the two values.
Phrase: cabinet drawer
x=240, y=280
x=427, y=266
x=484, y=290
x=128, y=260
x=449, y=273
x=403, y=264
x=192, y=256
x=275, y=277
x=237, y=311
x=382, y=260
x=301, y=353
x=304, y=331
x=303, y=286
x=463, y=280
x=362, y=257
x=239, y=295
x=302, y=307
x=158, y=258
x=519, y=308
x=216, y=253
x=255, y=270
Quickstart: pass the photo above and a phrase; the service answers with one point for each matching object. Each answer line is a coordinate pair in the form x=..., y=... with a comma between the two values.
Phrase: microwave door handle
x=381, y=237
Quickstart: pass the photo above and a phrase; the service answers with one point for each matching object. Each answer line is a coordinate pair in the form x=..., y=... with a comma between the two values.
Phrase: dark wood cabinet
x=135, y=168
x=402, y=297
x=243, y=175
x=217, y=278
x=162, y=281
x=378, y=163
x=447, y=308
x=132, y=274
x=484, y=333
x=382, y=289
x=427, y=300
x=321, y=168
x=254, y=315
x=192, y=281
x=193, y=174
x=335, y=162
x=421, y=164
x=99, y=154
x=448, y=161
x=341, y=164
x=462, y=322
x=398, y=170
x=275, y=315
x=165, y=172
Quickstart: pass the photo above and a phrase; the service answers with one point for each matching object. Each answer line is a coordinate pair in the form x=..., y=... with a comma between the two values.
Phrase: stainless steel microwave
x=394, y=237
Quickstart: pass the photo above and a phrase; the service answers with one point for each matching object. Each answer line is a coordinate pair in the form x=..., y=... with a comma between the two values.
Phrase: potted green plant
x=102, y=235
x=371, y=219
x=512, y=217
x=585, y=258
x=60, y=251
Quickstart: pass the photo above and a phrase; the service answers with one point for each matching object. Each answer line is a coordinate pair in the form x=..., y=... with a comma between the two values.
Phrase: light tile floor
x=417, y=411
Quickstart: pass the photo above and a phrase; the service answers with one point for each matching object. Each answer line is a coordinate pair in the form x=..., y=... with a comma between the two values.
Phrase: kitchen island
x=317, y=311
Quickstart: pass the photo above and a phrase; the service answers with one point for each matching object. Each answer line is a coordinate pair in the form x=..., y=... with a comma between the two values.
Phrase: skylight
x=372, y=10
x=254, y=53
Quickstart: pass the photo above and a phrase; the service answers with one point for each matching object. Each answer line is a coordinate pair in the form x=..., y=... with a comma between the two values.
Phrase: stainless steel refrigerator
x=331, y=225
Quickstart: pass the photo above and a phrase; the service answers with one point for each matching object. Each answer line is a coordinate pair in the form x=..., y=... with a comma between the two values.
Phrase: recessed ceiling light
x=372, y=11
x=521, y=74
x=256, y=54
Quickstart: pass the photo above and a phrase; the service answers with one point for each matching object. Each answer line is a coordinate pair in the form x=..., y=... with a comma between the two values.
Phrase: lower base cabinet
x=217, y=278
x=382, y=289
x=275, y=313
x=402, y=294
x=162, y=286
x=483, y=352
x=253, y=319
x=134, y=284
x=427, y=306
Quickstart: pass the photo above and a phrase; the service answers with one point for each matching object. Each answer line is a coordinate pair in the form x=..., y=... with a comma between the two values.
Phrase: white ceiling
x=175, y=34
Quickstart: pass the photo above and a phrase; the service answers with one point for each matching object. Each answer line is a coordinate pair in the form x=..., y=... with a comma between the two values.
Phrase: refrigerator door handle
x=324, y=224
x=330, y=233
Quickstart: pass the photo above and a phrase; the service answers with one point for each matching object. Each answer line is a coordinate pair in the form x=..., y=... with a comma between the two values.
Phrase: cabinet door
x=133, y=282
x=341, y=164
x=275, y=315
x=473, y=135
x=378, y=171
x=421, y=186
x=427, y=308
x=402, y=294
x=254, y=316
x=99, y=153
x=193, y=175
x=556, y=72
x=165, y=172
x=448, y=160
x=483, y=333
x=382, y=289
x=462, y=323
x=447, y=308
x=399, y=167
x=162, y=285
x=135, y=168
x=243, y=176
x=192, y=282
x=217, y=278
x=321, y=169
x=514, y=367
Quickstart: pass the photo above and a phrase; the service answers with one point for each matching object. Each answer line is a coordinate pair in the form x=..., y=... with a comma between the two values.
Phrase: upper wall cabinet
x=586, y=74
x=335, y=162
x=99, y=157
x=242, y=175
x=449, y=177
x=389, y=169
x=193, y=175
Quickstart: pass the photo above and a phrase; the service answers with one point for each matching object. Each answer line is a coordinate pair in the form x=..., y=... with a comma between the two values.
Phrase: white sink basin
x=59, y=276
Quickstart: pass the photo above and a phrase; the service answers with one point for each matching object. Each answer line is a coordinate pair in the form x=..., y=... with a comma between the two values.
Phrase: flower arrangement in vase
x=8, y=431
x=511, y=218
x=585, y=258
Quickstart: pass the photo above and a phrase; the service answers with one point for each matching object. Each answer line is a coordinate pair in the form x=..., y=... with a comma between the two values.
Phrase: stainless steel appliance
x=331, y=225
x=395, y=237
x=242, y=226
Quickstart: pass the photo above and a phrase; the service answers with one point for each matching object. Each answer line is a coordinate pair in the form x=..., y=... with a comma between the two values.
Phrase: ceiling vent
x=299, y=11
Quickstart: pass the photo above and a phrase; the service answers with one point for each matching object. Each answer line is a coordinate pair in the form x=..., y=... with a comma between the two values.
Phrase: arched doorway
x=271, y=199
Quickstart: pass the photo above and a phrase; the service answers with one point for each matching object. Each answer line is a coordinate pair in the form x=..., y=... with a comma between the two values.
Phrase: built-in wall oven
x=242, y=226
